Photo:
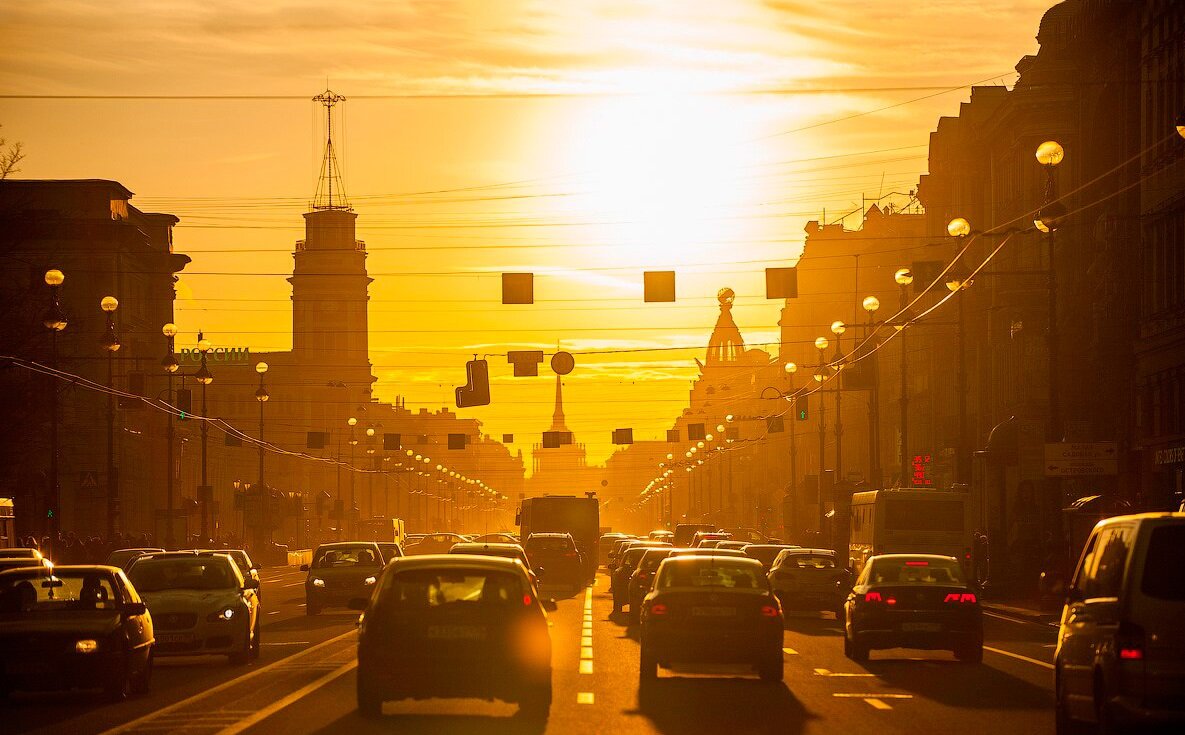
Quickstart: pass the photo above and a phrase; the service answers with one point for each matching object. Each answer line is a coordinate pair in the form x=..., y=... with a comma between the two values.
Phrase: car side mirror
x=304, y=567
x=134, y=608
x=257, y=568
x=549, y=605
x=358, y=603
x=250, y=584
x=539, y=572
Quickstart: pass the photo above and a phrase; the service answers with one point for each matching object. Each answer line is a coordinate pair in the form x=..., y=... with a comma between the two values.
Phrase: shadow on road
x=305, y=623
x=679, y=705
x=955, y=684
x=436, y=724
x=814, y=624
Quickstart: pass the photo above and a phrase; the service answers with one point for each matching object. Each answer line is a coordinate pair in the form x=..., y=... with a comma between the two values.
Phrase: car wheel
x=120, y=686
x=240, y=658
x=772, y=670
x=311, y=609
x=1063, y=723
x=535, y=704
x=144, y=680
x=256, y=641
x=370, y=702
x=634, y=617
x=854, y=650
x=970, y=654
x=648, y=665
x=1104, y=718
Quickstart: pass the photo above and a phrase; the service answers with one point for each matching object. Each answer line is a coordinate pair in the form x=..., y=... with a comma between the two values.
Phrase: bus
x=909, y=521
x=382, y=529
x=580, y=517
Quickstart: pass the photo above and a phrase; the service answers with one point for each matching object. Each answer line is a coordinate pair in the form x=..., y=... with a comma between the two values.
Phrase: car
x=711, y=609
x=913, y=601
x=341, y=572
x=505, y=551
x=201, y=604
x=751, y=535
x=660, y=535
x=605, y=545
x=710, y=552
x=766, y=553
x=247, y=568
x=72, y=627
x=390, y=551
x=685, y=532
x=556, y=560
x=455, y=625
x=25, y=562
x=732, y=544
x=496, y=538
x=435, y=543
x=619, y=554
x=702, y=537
x=20, y=552
x=123, y=558
x=642, y=580
x=808, y=579
x=1120, y=657
x=625, y=570
x=615, y=551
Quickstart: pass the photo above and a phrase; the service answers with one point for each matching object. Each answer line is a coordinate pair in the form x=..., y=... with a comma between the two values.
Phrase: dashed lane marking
x=285, y=643
x=586, y=667
x=586, y=653
x=1019, y=657
x=294, y=584
x=867, y=695
x=586, y=640
x=825, y=672
x=585, y=698
x=789, y=652
x=877, y=703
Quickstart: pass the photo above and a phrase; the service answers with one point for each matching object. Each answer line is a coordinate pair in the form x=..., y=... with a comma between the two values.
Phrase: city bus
x=383, y=530
x=580, y=517
x=909, y=521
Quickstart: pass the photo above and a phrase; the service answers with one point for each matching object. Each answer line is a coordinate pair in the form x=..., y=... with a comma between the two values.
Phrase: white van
x=1120, y=657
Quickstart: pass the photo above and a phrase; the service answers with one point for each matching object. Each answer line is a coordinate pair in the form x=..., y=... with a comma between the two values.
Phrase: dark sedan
x=70, y=627
x=642, y=580
x=620, y=581
x=913, y=601
x=711, y=609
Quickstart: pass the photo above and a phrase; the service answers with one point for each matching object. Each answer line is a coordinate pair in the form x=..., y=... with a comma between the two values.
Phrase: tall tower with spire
x=329, y=280
x=557, y=416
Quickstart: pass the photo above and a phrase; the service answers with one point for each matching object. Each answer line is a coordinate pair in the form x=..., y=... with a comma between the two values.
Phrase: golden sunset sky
x=584, y=141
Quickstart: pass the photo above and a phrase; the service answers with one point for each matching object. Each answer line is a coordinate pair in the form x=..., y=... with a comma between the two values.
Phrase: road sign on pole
x=1081, y=459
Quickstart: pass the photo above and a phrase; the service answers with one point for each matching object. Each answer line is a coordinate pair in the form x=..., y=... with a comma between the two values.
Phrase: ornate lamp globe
x=169, y=330
x=261, y=367
x=791, y=368
x=958, y=227
x=821, y=343
x=903, y=277
x=109, y=304
x=837, y=328
x=204, y=345
x=1050, y=153
x=54, y=277
x=871, y=304
x=352, y=421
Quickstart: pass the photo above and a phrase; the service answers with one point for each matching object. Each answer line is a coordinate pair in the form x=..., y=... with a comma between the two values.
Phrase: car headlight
x=222, y=615
x=87, y=645
x=318, y=582
x=369, y=580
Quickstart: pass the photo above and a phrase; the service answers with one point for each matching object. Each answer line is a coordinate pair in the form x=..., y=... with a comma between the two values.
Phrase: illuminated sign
x=234, y=355
x=921, y=470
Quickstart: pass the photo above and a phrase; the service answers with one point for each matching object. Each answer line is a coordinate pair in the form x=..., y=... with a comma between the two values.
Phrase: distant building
x=562, y=468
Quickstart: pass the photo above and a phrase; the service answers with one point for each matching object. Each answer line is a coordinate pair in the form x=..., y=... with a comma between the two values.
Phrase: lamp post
x=838, y=328
x=904, y=278
x=204, y=377
x=261, y=395
x=55, y=321
x=821, y=344
x=871, y=304
x=1049, y=154
x=169, y=363
x=370, y=475
x=110, y=342
x=352, y=422
x=792, y=368
x=670, y=504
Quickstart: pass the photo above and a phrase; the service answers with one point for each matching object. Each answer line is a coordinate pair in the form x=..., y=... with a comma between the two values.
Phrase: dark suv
x=556, y=560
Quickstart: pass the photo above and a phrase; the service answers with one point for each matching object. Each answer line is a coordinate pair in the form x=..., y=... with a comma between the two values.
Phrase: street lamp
x=110, y=342
x=958, y=227
x=353, y=442
x=170, y=366
x=54, y=320
x=261, y=395
x=904, y=279
x=838, y=328
x=821, y=344
x=792, y=368
x=871, y=304
x=1049, y=154
x=205, y=377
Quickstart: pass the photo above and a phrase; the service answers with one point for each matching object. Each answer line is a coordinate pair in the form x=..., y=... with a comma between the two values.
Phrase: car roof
x=456, y=561
x=549, y=534
x=711, y=552
x=1141, y=517
x=478, y=545
x=820, y=552
x=892, y=557
x=43, y=571
x=345, y=544
x=711, y=559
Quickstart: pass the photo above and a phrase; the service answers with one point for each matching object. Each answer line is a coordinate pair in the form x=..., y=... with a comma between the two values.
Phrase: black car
x=556, y=560
x=642, y=580
x=620, y=581
x=766, y=553
x=340, y=573
x=711, y=609
x=809, y=579
x=455, y=625
x=70, y=627
x=913, y=601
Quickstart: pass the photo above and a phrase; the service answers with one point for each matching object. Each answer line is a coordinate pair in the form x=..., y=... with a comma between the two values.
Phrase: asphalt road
x=304, y=683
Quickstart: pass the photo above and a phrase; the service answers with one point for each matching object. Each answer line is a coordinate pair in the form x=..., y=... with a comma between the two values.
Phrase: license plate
x=456, y=632
x=30, y=668
x=174, y=638
x=714, y=612
x=921, y=627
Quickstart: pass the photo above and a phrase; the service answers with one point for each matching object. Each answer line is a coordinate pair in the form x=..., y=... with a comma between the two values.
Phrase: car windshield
x=193, y=573
x=390, y=551
x=710, y=573
x=652, y=558
x=346, y=556
x=69, y=591
x=1164, y=575
x=633, y=555
x=550, y=543
x=915, y=571
x=432, y=588
x=808, y=561
x=499, y=551
x=19, y=563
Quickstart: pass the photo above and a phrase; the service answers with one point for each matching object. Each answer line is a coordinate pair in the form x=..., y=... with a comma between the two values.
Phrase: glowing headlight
x=369, y=580
x=87, y=645
x=221, y=615
x=318, y=582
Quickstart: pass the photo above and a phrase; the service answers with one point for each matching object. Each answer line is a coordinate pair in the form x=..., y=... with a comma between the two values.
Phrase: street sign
x=1061, y=451
x=1081, y=467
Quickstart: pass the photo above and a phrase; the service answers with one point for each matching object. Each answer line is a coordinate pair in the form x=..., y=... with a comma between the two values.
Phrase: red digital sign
x=921, y=470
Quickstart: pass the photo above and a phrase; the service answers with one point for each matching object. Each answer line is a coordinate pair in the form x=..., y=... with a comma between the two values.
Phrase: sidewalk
x=1028, y=611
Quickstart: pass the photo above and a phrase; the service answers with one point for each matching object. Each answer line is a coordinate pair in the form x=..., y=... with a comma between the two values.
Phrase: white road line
x=586, y=667
x=1019, y=657
x=789, y=652
x=294, y=584
x=286, y=643
x=283, y=702
x=825, y=672
x=586, y=653
x=877, y=703
x=868, y=695
x=585, y=698
x=224, y=685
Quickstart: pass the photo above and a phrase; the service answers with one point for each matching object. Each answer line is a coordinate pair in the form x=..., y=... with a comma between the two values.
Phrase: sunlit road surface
x=304, y=683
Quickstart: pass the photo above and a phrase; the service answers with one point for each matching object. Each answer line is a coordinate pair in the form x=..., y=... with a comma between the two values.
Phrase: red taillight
x=1131, y=654
x=527, y=600
x=658, y=610
x=873, y=597
x=890, y=600
x=961, y=597
x=1129, y=640
x=917, y=563
x=769, y=611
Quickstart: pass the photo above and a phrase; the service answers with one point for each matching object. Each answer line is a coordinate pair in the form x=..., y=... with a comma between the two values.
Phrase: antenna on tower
x=330, y=178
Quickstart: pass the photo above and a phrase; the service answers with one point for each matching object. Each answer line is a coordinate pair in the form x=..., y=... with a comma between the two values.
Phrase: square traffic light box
x=518, y=288
x=658, y=286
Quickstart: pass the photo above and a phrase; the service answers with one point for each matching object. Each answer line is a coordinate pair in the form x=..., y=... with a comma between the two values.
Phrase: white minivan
x=1120, y=658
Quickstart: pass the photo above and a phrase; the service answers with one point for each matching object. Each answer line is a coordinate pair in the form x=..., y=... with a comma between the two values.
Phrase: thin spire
x=557, y=417
x=726, y=344
x=329, y=183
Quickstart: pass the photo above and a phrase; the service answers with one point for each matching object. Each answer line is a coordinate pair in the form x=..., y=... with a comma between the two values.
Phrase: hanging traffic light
x=800, y=408
x=475, y=392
